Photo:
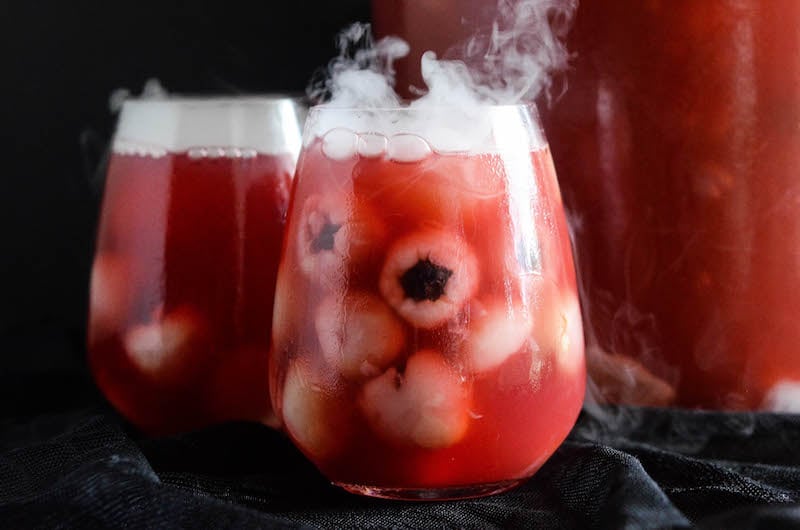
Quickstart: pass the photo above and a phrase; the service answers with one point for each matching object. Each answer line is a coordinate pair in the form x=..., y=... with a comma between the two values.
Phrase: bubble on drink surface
x=371, y=145
x=511, y=62
x=408, y=148
x=197, y=153
x=232, y=152
x=784, y=396
x=130, y=148
x=340, y=144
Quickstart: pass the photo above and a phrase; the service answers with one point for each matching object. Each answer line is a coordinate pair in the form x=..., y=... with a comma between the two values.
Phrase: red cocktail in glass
x=187, y=254
x=427, y=338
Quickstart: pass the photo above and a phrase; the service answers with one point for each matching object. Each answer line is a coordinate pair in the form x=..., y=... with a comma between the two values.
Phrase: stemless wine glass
x=427, y=336
x=187, y=254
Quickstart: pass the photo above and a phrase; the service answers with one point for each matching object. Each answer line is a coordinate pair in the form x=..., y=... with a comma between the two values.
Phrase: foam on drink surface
x=209, y=128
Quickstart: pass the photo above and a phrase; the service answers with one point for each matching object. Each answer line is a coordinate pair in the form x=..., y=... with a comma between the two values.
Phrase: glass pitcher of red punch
x=677, y=147
x=187, y=254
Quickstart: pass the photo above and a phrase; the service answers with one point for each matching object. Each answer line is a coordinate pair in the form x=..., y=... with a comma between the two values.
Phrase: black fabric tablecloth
x=620, y=468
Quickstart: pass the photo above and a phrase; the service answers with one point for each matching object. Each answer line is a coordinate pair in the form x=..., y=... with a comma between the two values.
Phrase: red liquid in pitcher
x=427, y=330
x=678, y=148
x=183, y=285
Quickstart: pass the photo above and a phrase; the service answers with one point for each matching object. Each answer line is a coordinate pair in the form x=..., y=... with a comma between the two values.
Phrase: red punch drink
x=678, y=148
x=427, y=332
x=187, y=255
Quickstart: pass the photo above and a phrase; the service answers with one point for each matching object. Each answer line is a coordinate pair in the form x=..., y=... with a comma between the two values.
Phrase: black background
x=61, y=62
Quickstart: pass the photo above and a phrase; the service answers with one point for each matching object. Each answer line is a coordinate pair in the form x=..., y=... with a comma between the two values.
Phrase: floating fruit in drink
x=436, y=350
x=187, y=255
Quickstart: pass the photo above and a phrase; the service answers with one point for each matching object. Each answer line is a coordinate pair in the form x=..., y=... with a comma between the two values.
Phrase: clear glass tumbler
x=187, y=254
x=427, y=335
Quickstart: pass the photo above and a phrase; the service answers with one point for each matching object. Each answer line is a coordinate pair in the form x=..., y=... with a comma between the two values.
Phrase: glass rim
x=445, y=128
x=217, y=100
x=408, y=109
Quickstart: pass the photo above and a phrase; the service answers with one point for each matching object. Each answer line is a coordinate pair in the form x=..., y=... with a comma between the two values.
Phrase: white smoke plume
x=512, y=61
x=152, y=89
x=525, y=48
x=362, y=76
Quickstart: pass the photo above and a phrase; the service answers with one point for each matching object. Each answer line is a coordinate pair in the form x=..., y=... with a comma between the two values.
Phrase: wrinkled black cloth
x=620, y=468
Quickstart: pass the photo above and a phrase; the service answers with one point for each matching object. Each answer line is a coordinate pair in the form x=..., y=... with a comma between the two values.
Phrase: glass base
x=432, y=494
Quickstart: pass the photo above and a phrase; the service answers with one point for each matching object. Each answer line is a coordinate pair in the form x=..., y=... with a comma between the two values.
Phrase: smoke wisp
x=513, y=61
x=517, y=59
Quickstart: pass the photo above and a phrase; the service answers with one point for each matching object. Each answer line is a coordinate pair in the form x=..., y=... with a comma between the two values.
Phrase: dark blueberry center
x=325, y=238
x=425, y=281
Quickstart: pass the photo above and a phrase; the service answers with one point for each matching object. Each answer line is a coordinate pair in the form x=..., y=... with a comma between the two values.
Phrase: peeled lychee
x=168, y=348
x=359, y=334
x=557, y=322
x=335, y=234
x=313, y=412
x=426, y=405
x=428, y=276
x=110, y=295
x=495, y=333
x=569, y=341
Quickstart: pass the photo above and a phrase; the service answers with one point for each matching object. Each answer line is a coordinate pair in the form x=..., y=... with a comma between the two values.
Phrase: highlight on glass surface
x=427, y=336
x=187, y=253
